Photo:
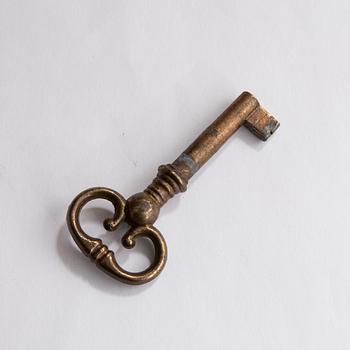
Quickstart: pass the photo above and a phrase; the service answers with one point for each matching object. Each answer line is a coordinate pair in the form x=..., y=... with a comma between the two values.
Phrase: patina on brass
x=141, y=210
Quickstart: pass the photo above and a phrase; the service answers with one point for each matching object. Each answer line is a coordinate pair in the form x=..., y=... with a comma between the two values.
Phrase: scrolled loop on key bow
x=99, y=252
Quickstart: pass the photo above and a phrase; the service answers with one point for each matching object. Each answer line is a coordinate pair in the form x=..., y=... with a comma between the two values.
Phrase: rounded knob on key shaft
x=141, y=209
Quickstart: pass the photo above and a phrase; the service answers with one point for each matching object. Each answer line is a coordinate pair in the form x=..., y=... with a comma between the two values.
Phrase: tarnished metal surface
x=141, y=210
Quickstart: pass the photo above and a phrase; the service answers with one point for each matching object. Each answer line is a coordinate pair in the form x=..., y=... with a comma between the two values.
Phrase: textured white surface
x=101, y=93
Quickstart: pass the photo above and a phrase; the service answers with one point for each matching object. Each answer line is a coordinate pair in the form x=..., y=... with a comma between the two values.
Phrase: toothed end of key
x=261, y=123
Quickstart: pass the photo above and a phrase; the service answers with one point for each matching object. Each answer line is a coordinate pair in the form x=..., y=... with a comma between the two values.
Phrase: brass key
x=141, y=210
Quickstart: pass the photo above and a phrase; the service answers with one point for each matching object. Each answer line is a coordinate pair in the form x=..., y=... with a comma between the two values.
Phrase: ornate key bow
x=141, y=210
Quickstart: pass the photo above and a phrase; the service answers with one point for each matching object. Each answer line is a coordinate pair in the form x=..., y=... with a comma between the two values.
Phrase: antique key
x=141, y=210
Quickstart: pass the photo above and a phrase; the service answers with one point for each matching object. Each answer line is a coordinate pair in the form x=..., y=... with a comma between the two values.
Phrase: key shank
x=143, y=208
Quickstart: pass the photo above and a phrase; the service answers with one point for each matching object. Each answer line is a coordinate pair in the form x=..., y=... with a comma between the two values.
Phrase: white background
x=101, y=93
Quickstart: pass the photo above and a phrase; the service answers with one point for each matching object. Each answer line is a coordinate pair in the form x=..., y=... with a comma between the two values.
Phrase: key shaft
x=143, y=208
